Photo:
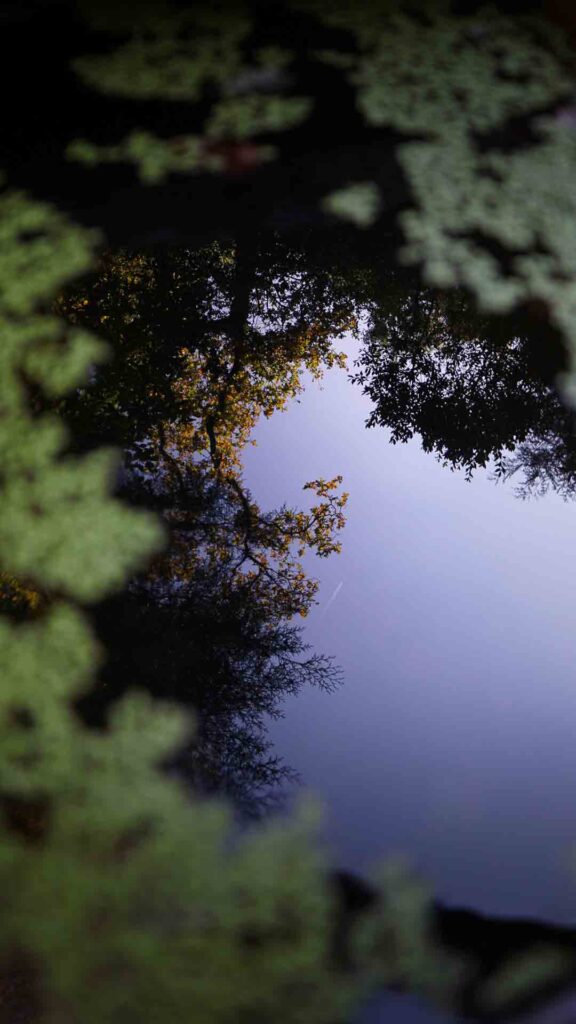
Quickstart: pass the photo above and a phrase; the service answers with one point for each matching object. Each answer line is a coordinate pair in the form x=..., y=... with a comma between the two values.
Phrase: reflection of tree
x=546, y=461
x=207, y=629
x=205, y=342
x=472, y=388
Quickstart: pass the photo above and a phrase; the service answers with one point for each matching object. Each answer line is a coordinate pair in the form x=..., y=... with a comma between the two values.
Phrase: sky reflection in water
x=452, y=740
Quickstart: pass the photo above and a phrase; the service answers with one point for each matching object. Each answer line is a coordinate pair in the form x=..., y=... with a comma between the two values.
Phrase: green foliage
x=495, y=217
x=122, y=899
x=170, y=54
x=176, y=56
x=143, y=902
x=499, y=223
x=439, y=74
x=57, y=524
x=402, y=938
x=140, y=902
x=155, y=158
x=29, y=273
x=519, y=976
x=522, y=202
x=241, y=117
x=115, y=883
x=358, y=203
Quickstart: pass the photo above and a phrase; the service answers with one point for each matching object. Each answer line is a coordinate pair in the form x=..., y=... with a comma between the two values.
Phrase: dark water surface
x=451, y=612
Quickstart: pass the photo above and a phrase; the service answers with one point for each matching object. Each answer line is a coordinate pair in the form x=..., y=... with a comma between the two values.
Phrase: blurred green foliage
x=122, y=901
x=492, y=209
x=112, y=884
x=358, y=203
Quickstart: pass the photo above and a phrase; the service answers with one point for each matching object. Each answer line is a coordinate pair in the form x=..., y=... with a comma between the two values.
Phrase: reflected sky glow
x=453, y=738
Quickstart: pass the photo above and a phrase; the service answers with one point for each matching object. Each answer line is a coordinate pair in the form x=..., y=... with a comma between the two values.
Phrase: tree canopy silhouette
x=205, y=342
x=476, y=390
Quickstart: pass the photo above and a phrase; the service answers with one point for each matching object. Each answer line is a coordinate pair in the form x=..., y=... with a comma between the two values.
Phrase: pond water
x=448, y=610
x=451, y=612
x=248, y=235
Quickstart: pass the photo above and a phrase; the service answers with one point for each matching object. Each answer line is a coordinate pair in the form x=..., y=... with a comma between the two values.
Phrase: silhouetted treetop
x=473, y=388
